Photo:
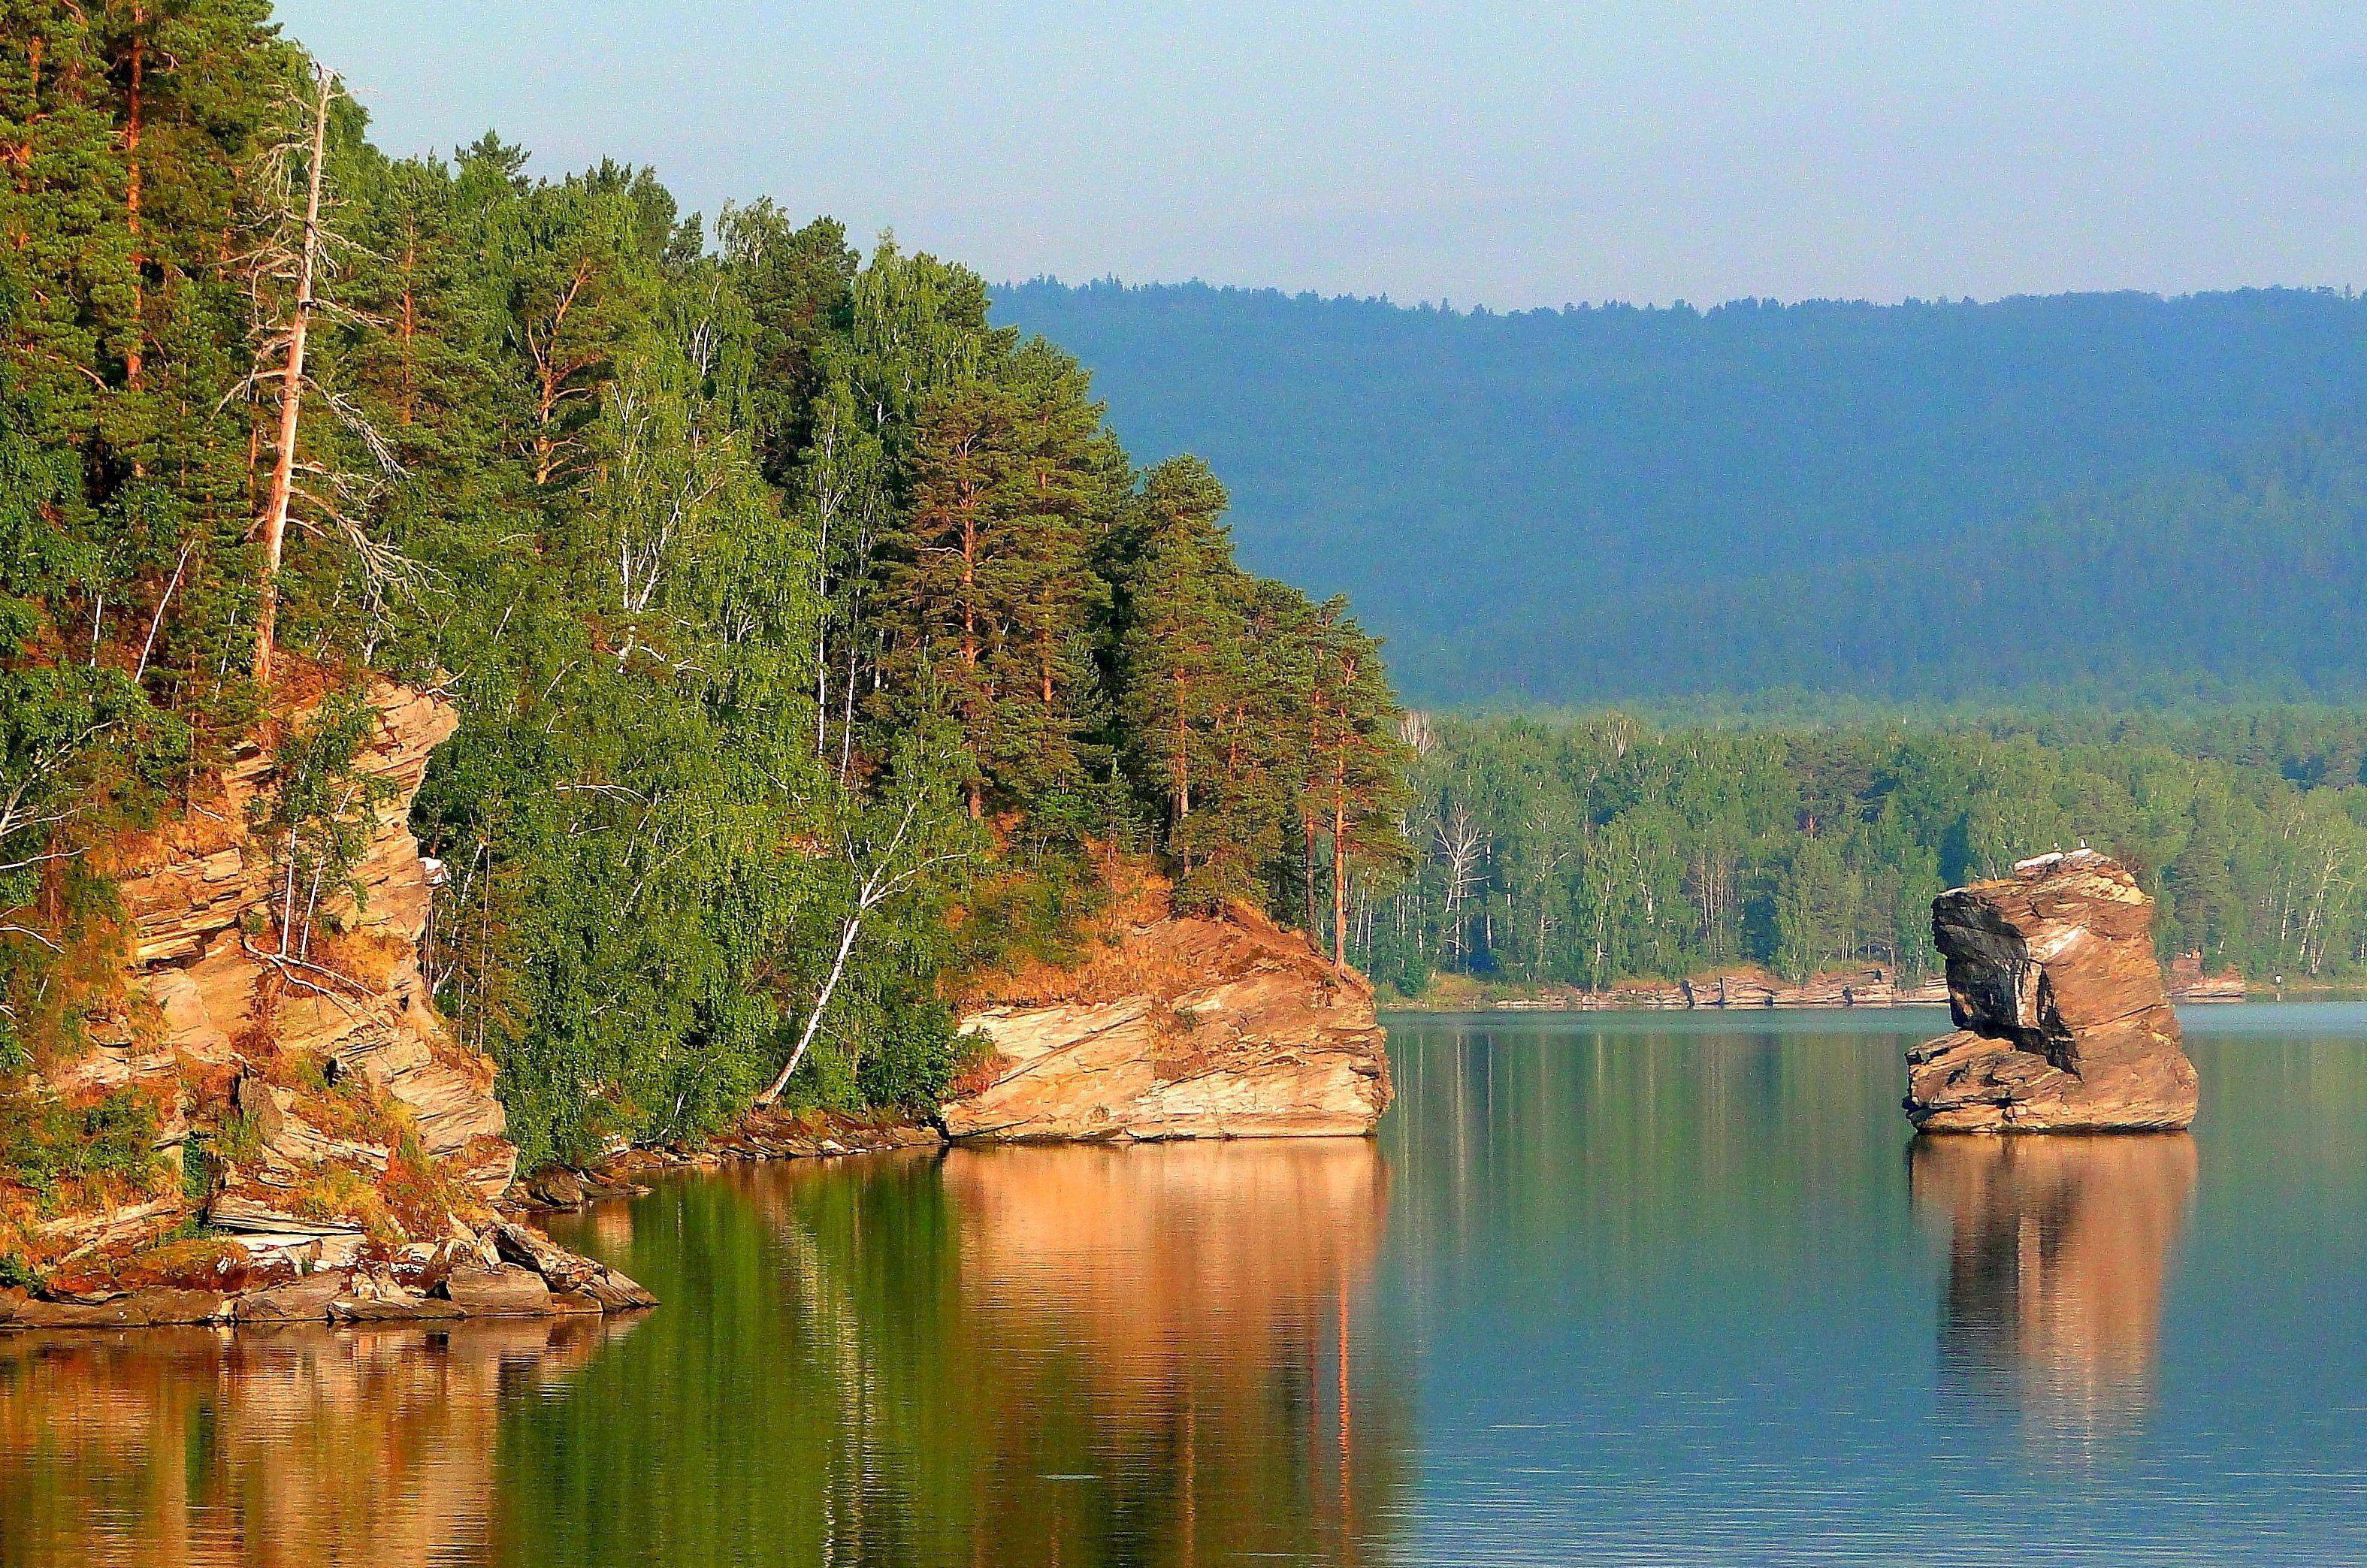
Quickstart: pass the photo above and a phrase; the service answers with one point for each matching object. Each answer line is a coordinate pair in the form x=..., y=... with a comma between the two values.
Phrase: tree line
x=811, y=634
x=1593, y=850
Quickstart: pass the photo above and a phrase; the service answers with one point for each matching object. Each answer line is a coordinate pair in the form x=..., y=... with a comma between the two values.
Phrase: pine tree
x=1180, y=648
x=1358, y=784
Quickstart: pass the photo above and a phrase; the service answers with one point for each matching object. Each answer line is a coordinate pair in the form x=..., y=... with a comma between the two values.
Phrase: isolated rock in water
x=1177, y=1026
x=2062, y=1024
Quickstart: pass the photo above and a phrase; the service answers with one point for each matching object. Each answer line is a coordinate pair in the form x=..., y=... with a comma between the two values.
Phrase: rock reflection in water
x=295, y=1445
x=2058, y=1253
x=1003, y=1356
x=1197, y=1305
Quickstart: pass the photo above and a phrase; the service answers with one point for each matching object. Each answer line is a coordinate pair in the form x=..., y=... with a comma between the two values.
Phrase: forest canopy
x=2069, y=500
x=1593, y=852
x=810, y=635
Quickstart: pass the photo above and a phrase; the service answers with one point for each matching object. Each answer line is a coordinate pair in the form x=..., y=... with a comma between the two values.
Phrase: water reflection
x=1667, y=1285
x=1069, y=1356
x=296, y=1445
x=2058, y=1252
x=1197, y=1306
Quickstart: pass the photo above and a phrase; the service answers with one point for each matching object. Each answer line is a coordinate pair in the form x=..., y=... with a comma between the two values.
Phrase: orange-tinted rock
x=500, y=1292
x=2062, y=1023
x=1175, y=1026
x=211, y=1024
x=186, y=886
x=301, y=1301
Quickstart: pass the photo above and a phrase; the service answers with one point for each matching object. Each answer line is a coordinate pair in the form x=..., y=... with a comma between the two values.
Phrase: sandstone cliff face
x=353, y=1142
x=2062, y=1021
x=1175, y=1026
x=185, y=890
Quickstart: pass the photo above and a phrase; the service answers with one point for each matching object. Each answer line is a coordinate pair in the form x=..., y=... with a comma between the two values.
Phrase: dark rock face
x=2062, y=1023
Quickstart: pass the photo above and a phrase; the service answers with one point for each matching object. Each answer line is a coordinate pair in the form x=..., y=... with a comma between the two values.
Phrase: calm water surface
x=1653, y=1289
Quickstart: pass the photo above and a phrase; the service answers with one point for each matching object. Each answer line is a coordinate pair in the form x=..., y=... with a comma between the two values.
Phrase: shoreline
x=1556, y=1005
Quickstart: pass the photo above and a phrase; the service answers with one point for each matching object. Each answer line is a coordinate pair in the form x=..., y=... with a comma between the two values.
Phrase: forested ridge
x=1593, y=852
x=2076, y=498
x=810, y=635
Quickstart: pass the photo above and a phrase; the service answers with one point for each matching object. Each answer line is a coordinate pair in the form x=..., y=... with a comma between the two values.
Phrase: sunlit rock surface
x=368, y=1139
x=2062, y=1023
x=1176, y=1026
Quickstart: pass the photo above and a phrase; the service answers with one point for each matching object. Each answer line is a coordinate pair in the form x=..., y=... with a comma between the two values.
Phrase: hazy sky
x=1517, y=154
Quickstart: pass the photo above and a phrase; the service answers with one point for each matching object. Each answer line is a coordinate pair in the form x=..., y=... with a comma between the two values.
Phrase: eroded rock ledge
x=1175, y=1026
x=2062, y=1023
x=326, y=1150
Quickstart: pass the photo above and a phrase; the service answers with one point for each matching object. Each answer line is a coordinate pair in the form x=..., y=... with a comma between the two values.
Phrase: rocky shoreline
x=323, y=1149
x=326, y=1151
x=759, y=1135
x=1744, y=991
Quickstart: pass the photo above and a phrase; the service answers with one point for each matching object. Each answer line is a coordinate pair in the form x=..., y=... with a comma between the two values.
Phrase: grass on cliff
x=62, y=1150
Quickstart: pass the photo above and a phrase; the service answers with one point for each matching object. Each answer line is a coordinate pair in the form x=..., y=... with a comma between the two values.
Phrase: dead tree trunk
x=292, y=389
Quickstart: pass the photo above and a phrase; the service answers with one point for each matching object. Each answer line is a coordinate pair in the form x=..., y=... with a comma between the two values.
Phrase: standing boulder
x=2062, y=1023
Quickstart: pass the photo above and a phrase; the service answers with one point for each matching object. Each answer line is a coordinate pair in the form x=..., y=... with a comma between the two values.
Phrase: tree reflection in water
x=1021, y=1356
x=1071, y=1355
x=2058, y=1251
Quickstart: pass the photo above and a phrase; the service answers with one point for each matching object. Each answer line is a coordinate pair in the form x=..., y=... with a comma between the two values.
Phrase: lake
x=1657, y=1288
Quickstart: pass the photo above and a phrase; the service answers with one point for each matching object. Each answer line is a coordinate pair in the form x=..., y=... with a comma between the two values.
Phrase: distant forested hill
x=2106, y=496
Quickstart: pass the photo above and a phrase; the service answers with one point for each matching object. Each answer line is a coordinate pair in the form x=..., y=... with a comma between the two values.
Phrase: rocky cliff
x=1175, y=1026
x=325, y=1148
x=2062, y=1023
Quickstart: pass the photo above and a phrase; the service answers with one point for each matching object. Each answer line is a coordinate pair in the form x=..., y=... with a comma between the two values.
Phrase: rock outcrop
x=2062, y=1023
x=1176, y=1026
x=345, y=1145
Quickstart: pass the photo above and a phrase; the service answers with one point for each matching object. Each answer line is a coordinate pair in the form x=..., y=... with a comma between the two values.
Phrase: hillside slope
x=1573, y=507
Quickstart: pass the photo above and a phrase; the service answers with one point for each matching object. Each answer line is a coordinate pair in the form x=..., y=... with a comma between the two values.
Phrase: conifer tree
x=1181, y=648
x=1357, y=782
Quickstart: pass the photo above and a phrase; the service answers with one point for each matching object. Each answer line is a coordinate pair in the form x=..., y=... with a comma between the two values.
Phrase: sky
x=1519, y=153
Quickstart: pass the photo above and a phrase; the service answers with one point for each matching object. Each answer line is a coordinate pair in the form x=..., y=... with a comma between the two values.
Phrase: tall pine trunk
x=1341, y=881
x=135, y=358
x=1307, y=881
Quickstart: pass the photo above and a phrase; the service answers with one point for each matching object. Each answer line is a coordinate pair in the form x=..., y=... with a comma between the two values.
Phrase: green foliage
x=46, y=1143
x=777, y=590
x=1591, y=851
x=312, y=825
x=912, y=1060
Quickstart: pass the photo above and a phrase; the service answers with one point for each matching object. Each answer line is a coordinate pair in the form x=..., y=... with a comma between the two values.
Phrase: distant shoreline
x=1846, y=992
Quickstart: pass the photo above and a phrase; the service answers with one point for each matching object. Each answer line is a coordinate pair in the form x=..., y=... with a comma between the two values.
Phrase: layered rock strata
x=349, y=1146
x=1176, y=1026
x=2062, y=1023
